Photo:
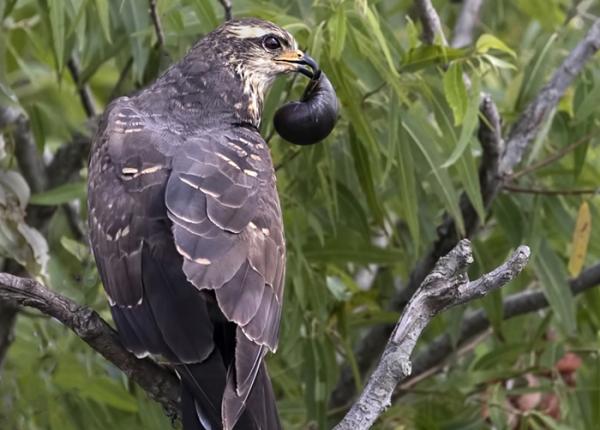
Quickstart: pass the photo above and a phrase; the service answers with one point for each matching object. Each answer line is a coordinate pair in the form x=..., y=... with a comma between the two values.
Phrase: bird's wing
x=155, y=308
x=222, y=201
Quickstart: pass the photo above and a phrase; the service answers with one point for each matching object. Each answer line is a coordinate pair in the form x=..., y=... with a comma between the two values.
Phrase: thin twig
x=552, y=158
x=226, y=9
x=547, y=192
x=158, y=30
x=287, y=159
x=122, y=76
x=445, y=287
x=160, y=384
x=477, y=322
x=83, y=89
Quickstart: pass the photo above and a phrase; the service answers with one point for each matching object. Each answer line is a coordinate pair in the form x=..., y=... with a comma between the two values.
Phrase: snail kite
x=185, y=222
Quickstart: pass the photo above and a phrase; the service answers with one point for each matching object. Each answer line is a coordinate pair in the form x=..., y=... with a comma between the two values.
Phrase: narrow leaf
x=59, y=195
x=551, y=272
x=104, y=17
x=416, y=128
x=336, y=29
x=469, y=124
x=487, y=42
x=57, y=24
x=581, y=239
x=455, y=91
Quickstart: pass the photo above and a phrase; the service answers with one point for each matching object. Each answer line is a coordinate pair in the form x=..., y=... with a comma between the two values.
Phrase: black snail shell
x=311, y=119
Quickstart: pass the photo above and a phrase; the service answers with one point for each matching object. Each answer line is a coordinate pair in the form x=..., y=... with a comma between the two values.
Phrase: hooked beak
x=304, y=63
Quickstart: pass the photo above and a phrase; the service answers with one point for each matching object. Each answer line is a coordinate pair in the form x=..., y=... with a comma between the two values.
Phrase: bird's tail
x=201, y=400
x=202, y=386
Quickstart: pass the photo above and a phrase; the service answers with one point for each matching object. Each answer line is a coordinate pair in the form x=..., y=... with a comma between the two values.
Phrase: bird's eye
x=271, y=43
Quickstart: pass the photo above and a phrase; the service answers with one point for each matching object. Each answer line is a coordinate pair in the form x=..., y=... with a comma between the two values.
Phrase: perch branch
x=160, y=384
x=445, y=287
x=476, y=322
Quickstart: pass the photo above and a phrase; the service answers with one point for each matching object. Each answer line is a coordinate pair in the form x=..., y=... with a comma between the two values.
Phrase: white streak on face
x=250, y=32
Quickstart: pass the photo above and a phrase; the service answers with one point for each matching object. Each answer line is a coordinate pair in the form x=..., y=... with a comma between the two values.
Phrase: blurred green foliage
x=372, y=194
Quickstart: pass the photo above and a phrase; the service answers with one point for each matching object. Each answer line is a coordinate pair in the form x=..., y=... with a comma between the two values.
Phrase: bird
x=185, y=222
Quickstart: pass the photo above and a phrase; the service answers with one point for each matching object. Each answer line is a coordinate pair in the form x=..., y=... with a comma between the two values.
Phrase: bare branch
x=160, y=384
x=29, y=158
x=432, y=27
x=546, y=192
x=554, y=157
x=226, y=9
x=527, y=127
x=160, y=35
x=477, y=322
x=85, y=94
x=445, y=287
x=465, y=25
x=8, y=314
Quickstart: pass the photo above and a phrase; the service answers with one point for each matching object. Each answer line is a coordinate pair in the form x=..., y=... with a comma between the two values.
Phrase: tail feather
x=202, y=386
x=261, y=405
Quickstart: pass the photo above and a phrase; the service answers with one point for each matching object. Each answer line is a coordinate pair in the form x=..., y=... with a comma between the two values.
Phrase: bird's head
x=255, y=52
x=261, y=50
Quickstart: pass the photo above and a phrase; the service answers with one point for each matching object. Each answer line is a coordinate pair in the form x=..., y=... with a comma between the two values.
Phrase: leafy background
x=360, y=209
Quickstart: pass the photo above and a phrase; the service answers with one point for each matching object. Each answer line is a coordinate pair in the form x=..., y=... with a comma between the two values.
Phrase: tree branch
x=160, y=384
x=546, y=192
x=160, y=35
x=432, y=26
x=226, y=9
x=26, y=151
x=84, y=91
x=476, y=322
x=528, y=124
x=445, y=287
x=465, y=25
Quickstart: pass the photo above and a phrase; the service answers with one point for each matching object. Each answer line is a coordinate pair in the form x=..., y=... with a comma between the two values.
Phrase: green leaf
x=98, y=388
x=136, y=19
x=336, y=29
x=102, y=7
x=58, y=31
x=534, y=78
x=365, y=176
x=374, y=26
x=206, y=13
x=60, y=195
x=417, y=129
x=75, y=248
x=407, y=174
x=334, y=252
x=487, y=42
x=455, y=91
x=469, y=124
x=428, y=55
x=16, y=184
x=551, y=272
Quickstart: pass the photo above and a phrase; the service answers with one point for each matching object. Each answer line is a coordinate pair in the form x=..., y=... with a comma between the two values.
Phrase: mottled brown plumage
x=186, y=226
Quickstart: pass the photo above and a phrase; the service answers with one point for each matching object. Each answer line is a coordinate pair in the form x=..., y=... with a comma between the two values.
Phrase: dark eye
x=271, y=43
